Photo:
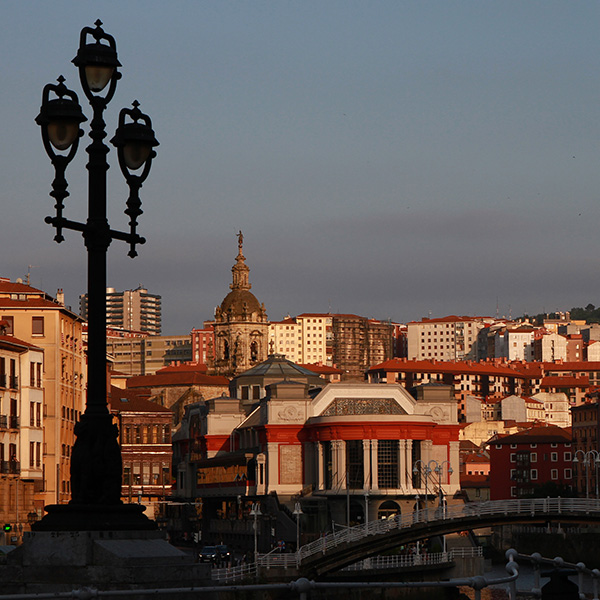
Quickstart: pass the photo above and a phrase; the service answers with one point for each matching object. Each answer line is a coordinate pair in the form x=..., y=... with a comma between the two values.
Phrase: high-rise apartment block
x=133, y=310
x=33, y=316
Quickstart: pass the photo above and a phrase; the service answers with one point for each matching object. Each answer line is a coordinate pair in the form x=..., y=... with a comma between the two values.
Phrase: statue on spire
x=240, y=237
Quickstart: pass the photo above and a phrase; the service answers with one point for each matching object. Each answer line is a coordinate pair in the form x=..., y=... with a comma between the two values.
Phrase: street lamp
x=586, y=461
x=96, y=457
x=255, y=512
x=426, y=469
x=297, y=512
x=439, y=469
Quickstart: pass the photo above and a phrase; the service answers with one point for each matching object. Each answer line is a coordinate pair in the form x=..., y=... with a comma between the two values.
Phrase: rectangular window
x=513, y=457
x=534, y=474
x=32, y=414
x=387, y=463
x=9, y=324
x=38, y=454
x=568, y=474
x=533, y=457
x=32, y=374
x=31, y=454
x=354, y=462
x=567, y=457
x=554, y=456
x=513, y=491
x=554, y=474
x=38, y=414
x=37, y=325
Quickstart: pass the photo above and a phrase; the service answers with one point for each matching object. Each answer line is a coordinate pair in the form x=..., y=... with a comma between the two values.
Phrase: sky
x=391, y=159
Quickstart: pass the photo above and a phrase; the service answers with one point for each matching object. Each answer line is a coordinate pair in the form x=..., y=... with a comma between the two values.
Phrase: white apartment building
x=305, y=339
x=515, y=344
x=550, y=346
x=448, y=339
x=284, y=337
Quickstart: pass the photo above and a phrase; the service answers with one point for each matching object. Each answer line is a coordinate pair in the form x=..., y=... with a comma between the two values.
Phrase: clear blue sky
x=387, y=158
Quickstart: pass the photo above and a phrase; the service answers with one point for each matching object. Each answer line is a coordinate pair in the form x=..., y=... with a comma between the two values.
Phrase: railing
x=225, y=575
x=529, y=507
x=3, y=422
x=538, y=562
x=10, y=467
x=13, y=422
x=399, y=561
x=301, y=588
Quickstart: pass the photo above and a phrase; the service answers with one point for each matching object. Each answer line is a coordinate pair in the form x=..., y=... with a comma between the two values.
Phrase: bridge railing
x=517, y=506
x=398, y=561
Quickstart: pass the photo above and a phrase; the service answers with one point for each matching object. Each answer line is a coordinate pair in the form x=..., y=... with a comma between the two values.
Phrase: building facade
x=523, y=462
x=21, y=434
x=449, y=338
x=146, y=449
x=348, y=452
x=34, y=316
x=133, y=310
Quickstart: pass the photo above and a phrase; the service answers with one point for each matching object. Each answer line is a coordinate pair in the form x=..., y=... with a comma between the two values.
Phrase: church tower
x=241, y=327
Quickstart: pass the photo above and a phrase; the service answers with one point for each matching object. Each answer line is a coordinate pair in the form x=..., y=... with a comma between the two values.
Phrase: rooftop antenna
x=29, y=267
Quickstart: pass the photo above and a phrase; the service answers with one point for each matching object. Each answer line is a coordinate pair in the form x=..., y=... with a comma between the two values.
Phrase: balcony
x=13, y=422
x=3, y=422
x=10, y=467
x=14, y=382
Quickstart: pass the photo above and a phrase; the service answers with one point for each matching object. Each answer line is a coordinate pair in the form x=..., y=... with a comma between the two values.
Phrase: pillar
x=374, y=465
x=402, y=482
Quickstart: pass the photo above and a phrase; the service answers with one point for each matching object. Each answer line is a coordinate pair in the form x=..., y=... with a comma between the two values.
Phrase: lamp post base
x=94, y=517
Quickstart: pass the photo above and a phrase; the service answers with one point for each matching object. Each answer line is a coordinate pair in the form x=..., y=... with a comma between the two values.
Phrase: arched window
x=254, y=351
x=225, y=350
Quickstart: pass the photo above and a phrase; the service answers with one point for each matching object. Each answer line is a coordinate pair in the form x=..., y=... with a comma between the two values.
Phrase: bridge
x=339, y=549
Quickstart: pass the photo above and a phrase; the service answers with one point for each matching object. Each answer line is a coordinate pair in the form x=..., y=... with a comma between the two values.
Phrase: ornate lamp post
x=96, y=458
x=297, y=512
x=419, y=464
x=255, y=512
x=587, y=457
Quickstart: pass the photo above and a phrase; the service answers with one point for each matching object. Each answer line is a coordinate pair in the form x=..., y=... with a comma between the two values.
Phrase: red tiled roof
x=565, y=381
x=184, y=378
x=475, y=481
x=9, y=287
x=541, y=434
x=428, y=366
x=132, y=401
x=322, y=369
x=572, y=366
x=13, y=341
x=29, y=303
x=185, y=367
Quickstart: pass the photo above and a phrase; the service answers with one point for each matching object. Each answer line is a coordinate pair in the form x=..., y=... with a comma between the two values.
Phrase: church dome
x=241, y=304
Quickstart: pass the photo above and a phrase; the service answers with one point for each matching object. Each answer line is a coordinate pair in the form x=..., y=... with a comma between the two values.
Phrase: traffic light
x=7, y=528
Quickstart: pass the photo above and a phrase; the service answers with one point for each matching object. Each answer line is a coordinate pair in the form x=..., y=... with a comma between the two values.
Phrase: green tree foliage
x=589, y=314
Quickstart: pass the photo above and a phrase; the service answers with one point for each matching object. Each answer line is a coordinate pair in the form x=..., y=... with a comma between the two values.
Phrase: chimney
x=60, y=296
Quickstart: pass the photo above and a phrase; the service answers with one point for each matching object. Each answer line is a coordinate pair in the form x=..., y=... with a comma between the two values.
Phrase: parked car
x=225, y=555
x=209, y=554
